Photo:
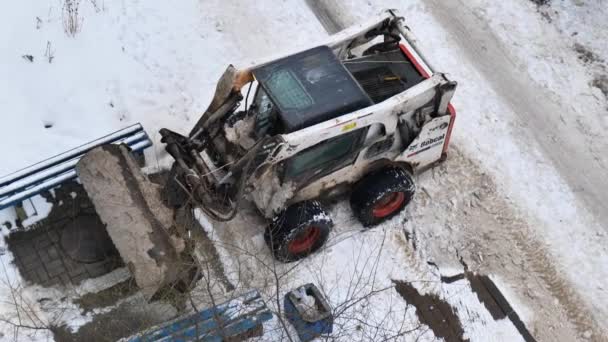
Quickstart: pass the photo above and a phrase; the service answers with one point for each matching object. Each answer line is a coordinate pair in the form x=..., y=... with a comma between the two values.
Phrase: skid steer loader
x=359, y=114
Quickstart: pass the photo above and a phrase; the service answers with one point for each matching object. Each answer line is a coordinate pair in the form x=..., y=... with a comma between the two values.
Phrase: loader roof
x=310, y=87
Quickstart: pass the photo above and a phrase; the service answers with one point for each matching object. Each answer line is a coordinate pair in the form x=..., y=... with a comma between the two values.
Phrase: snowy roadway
x=522, y=196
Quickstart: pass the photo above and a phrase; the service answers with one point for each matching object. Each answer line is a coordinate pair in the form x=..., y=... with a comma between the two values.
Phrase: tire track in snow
x=567, y=147
x=536, y=256
x=491, y=226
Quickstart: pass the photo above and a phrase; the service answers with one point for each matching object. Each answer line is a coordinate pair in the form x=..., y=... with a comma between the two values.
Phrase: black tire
x=298, y=231
x=381, y=195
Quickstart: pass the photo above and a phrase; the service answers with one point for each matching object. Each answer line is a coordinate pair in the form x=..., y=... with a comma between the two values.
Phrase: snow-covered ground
x=507, y=202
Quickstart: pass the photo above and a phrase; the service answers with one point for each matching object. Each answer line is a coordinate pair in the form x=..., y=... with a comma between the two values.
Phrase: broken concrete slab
x=140, y=225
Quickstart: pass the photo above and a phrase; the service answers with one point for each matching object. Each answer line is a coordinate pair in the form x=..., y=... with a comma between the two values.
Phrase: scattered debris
x=541, y=2
x=48, y=124
x=129, y=317
x=96, y=6
x=544, y=9
x=44, y=300
x=426, y=192
x=49, y=53
x=72, y=22
x=108, y=297
x=38, y=23
x=30, y=58
x=308, y=312
x=586, y=55
x=545, y=15
x=475, y=200
x=601, y=82
x=452, y=279
x=463, y=263
x=411, y=237
x=305, y=303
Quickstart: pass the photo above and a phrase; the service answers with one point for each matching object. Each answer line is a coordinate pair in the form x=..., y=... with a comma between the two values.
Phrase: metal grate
x=380, y=83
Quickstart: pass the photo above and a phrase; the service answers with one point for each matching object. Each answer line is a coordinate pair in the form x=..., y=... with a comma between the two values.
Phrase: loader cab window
x=324, y=157
x=289, y=92
x=309, y=87
x=264, y=112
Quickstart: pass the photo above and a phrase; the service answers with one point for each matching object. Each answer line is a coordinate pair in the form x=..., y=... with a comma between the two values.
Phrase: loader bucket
x=140, y=225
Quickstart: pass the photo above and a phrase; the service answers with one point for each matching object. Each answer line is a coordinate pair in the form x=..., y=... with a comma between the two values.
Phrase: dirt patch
x=130, y=317
x=107, y=297
x=591, y=58
x=601, y=82
x=585, y=55
x=545, y=10
x=433, y=311
x=210, y=262
x=483, y=231
x=541, y=2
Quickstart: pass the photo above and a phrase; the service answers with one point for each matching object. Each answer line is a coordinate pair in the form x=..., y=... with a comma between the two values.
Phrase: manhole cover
x=86, y=240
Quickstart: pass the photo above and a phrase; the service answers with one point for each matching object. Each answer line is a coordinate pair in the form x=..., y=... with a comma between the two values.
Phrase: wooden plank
x=184, y=322
x=250, y=306
x=208, y=326
x=214, y=331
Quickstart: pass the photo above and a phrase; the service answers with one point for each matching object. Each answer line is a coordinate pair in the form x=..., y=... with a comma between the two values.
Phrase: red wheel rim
x=305, y=240
x=388, y=204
